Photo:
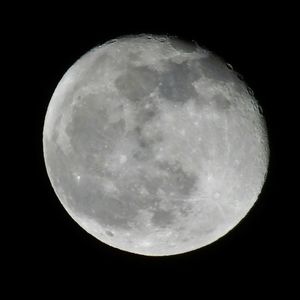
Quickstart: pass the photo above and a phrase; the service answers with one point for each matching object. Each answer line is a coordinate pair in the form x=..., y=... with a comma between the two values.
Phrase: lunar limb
x=154, y=145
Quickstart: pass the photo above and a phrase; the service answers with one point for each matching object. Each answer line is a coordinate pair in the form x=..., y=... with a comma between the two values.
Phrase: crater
x=109, y=233
x=137, y=82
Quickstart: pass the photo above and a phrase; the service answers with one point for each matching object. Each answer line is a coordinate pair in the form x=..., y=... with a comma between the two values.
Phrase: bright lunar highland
x=154, y=145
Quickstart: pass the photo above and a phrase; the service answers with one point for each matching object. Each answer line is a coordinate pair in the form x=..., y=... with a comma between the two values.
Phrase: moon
x=154, y=145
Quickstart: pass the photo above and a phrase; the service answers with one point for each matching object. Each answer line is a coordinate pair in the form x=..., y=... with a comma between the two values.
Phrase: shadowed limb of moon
x=154, y=145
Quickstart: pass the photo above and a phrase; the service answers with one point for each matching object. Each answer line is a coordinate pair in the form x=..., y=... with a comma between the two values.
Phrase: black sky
x=49, y=244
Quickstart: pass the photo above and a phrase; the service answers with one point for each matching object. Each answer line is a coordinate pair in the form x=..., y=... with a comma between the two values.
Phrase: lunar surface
x=154, y=145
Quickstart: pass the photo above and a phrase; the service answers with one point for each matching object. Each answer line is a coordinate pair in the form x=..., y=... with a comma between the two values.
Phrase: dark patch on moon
x=145, y=144
x=85, y=197
x=114, y=211
x=221, y=103
x=90, y=131
x=176, y=83
x=142, y=155
x=137, y=82
x=148, y=142
x=59, y=166
x=182, y=182
x=109, y=233
x=182, y=45
x=162, y=218
x=170, y=178
x=134, y=56
x=147, y=112
x=215, y=68
x=151, y=183
x=88, y=198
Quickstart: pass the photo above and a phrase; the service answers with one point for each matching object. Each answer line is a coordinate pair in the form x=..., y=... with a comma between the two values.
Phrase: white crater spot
x=154, y=145
x=123, y=159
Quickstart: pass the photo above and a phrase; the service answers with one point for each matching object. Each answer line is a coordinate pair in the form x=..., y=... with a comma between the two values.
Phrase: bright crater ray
x=154, y=146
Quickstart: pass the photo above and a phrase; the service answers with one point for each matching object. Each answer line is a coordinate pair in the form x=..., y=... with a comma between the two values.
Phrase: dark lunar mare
x=182, y=45
x=137, y=82
x=176, y=83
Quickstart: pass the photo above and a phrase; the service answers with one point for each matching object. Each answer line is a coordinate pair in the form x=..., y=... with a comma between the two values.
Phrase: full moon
x=154, y=145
